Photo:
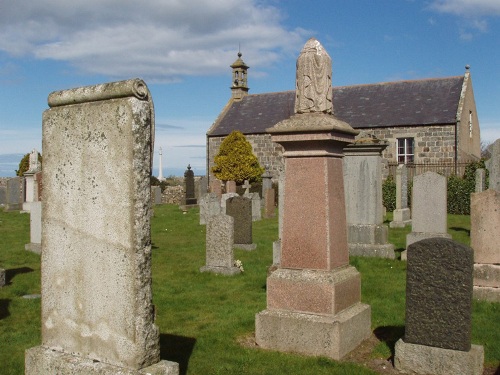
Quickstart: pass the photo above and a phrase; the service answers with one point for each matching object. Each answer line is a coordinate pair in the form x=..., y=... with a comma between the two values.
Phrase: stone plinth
x=423, y=359
x=400, y=218
x=96, y=240
x=313, y=298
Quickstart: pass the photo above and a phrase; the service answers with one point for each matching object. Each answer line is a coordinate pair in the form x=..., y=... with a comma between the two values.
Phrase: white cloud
x=467, y=8
x=159, y=40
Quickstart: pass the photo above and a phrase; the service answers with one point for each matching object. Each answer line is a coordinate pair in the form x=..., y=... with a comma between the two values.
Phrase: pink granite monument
x=313, y=298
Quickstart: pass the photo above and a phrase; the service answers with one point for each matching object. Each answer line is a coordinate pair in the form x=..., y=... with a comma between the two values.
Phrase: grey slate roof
x=402, y=103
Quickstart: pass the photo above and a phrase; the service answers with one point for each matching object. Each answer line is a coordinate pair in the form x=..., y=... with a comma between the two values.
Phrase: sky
x=183, y=50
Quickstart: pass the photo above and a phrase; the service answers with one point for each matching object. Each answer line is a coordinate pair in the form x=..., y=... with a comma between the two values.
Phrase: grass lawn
x=207, y=321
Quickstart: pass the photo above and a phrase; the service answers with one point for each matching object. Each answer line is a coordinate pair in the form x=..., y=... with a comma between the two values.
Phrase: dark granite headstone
x=439, y=294
x=189, y=186
x=14, y=194
x=240, y=208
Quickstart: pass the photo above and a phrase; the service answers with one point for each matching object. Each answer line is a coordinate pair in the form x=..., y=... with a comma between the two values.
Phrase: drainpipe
x=457, y=126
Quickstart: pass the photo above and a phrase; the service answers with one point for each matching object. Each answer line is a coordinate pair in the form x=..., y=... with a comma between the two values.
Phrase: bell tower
x=239, y=87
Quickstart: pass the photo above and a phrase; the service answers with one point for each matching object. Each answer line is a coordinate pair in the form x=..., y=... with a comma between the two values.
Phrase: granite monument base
x=419, y=236
x=369, y=240
x=221, y=270
x=33, y=247
x=332, y=336
x=372, y=250
x=422, y=359
x=401, y=218
x=245, y=246
x=41, y=360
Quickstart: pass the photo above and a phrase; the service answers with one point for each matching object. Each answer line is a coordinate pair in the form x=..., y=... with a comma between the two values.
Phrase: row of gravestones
x=313, y=300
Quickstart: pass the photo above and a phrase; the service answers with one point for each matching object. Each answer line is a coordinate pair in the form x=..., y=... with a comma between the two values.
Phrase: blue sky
x=183, y=49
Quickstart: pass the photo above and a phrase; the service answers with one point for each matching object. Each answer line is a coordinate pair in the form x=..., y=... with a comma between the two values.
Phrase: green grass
x=204, y=318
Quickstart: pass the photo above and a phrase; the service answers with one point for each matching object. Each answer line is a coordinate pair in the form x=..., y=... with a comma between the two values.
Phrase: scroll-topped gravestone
x=402, y=214
x=439, y=310
x=429, y=209
x=240, y=208
x=97, y=312
x=189, y=190
x=367, y=235
x=219, y=245
x=313, y=298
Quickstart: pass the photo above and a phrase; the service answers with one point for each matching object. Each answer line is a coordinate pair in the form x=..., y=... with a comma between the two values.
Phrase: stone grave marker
x=439, y=310
x=97, y=312
x=189, y=191
x=256, y=206
x=230, y=187
x=429, y=209
x=220, y=245
x=14, y=194
x=314, y=297
x=485, y=240
x=401, y=215
x=201, y=187
x=270, y=206
x=35, y=244
x=224, y=198
x=31, y=187
x=156, y=193
x=366, y=233
x=247, y=187
x=209, y=207
x=240, y=208
x=493, y=165
x=480, y=180
x=216, y=187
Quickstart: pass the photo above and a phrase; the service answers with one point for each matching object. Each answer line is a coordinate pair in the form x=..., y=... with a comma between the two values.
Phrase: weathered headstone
x=230, y=187
x=439, y=311
x=219, y=245
x=256, y=205
x=31, y=187
x=240, y=208
x=97, y=311
x=201, y=187
x=485, y=240
x=247, y=187
x=429, y=209
x=270, y=206
x=35, y=244
x=267, y=182
x=493, y=165
x=313, y=299
x=14, y=194
x=401, y=215
x=224, y=198
x=209, y=207
x=216, y=187
x=480, y=180
x=366, y=233
x=189, y=191
x=156, y=193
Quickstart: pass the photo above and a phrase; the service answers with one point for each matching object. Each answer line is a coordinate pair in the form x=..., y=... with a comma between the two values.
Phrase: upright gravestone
x=480, y=180
x=219, y=246
x=216, y=187
x=485, y=240
x=270, y=206
x=35, y=244
x=14, y=193
x=429, y=209
x=209, y=207
x=156, y=193
x=366, y=233
x=314, y=299
x=240, y=208
x=230, y=187
x=97, y=311
x=439, y=311
x=189, y=191
x=201, y=187
x=31, y=186
x=493, y=165
x=401, y=215
x=256, y=205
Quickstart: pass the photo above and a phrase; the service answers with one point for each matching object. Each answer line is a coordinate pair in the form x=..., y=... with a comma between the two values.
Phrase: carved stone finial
x=314, y=80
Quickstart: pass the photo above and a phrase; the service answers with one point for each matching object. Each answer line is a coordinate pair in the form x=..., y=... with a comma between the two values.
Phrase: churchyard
x=207, y=321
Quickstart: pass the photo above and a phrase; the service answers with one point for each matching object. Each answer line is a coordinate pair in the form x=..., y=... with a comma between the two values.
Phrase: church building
x=425, y=121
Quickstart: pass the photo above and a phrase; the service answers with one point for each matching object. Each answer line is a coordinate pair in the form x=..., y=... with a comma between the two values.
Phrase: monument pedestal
x=401, y=218
x=369, y=240
x=221, y=270
x=422, y=359
x=487, y=282
x=41, y=360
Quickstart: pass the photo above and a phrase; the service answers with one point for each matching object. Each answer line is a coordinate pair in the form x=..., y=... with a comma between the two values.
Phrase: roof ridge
x=400, y=81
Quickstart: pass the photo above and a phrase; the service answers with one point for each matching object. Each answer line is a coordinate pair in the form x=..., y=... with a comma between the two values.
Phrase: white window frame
x=405, y=150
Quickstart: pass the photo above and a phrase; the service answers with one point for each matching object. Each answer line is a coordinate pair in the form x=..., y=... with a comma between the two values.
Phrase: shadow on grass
x=389, y=335
x=4, y=308
x=459, y=229
x=177, y=349
x=10, y=274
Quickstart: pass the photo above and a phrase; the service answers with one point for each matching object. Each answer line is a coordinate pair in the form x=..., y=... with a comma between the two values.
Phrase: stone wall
x=173, y=195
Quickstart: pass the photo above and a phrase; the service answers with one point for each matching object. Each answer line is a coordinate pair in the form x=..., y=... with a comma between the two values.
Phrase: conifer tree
x=235, y=160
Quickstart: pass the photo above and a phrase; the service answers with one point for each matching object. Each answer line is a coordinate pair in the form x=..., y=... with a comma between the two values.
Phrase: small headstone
x=35, y=244
x=219, y=245
x=156, y=194
x=202, y=187
x=230, y=187
x=484, y=239
x=216, y=187
x=429, y=209
x=402, y=214
x=439, y=310
x=14, y=194
x=209, y=207
x=267, y=183
x=190, y=198
x=224, y=199
x=256, y=206
x=493, y=165
x=240, y=208
x=480, y=180
x=270, y=206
